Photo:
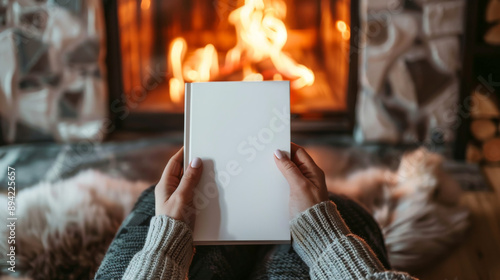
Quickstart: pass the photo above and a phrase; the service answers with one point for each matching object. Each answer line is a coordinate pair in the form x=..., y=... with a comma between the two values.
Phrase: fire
x=198, y=68
x=260, y=34
x=344, y=29
x=145, y=4
x=177, y=52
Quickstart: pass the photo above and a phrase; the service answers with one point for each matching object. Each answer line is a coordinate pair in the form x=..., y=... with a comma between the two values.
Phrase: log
x=493, y=11
x=483, y=106
x=483, y=129
x=492, y=37
x=473, y=154
x=491, y=150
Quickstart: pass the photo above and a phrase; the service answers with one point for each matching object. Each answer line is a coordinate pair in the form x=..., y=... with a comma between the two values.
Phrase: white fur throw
x=417, y=207
x=64, y=228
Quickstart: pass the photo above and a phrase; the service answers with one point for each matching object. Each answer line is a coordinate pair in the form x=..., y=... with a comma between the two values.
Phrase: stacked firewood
x=484, y=146
x=492, y=36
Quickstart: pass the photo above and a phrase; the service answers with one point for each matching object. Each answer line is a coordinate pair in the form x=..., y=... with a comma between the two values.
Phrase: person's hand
x=174, y=191
x=306, y=179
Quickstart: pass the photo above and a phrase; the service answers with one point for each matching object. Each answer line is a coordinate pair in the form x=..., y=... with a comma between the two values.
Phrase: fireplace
x=155, y=46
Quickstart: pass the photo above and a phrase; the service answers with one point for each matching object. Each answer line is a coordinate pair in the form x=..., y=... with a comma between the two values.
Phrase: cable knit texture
x=325, y=243
x=167, y=252
x=320, y=237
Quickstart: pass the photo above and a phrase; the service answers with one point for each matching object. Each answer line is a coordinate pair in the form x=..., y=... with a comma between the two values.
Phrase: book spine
x=187, y=123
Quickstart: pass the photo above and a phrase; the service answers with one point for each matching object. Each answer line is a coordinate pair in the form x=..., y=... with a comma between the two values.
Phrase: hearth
x=155, y=46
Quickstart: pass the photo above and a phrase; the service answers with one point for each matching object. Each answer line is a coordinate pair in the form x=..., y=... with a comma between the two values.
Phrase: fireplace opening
x=164, y=44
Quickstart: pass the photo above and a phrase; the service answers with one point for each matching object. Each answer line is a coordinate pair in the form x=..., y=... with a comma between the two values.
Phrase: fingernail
x=196, y=162
x=278, y=154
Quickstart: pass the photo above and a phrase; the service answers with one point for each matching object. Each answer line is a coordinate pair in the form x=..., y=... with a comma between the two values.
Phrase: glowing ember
x=261, y=34
x=344, y=29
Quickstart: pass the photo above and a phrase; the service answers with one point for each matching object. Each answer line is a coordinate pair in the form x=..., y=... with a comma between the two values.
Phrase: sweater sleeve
x=166, y=254
x=325, y=243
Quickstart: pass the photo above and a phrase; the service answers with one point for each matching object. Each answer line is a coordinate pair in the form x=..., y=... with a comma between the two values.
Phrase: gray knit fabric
x=320, y=237
x=325, y=243
x=166, y=254
x=281, y=263
x=223, y=262
x=129, y=239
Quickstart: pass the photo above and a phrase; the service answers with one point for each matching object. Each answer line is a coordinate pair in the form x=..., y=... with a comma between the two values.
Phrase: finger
x=294, y=147
x=288, y=169
x=171, y=175
x=190, y=178
x=306, y=164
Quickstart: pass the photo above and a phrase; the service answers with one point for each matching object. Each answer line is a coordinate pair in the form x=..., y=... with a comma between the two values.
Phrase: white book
x=235, y=127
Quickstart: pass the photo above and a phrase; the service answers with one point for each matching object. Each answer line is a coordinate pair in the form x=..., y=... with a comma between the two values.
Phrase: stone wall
x=410, y=58
x=52, y=74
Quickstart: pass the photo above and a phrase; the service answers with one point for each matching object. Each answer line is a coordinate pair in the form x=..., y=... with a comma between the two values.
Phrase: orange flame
x=202, y=65
x=176, y=83
x=145, y=4
x=261, y=34
x=344, y=29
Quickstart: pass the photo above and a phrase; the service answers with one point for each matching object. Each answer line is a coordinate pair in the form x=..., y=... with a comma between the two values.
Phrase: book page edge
x=187, y=123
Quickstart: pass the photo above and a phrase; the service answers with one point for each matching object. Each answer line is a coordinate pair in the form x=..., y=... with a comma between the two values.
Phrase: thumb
x=190, y=178
x=288, y=168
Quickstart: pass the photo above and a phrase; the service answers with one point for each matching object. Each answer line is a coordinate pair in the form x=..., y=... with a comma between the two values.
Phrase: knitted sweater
x=320, y=237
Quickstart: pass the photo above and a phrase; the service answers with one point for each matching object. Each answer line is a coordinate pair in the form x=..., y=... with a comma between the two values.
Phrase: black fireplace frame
x=126, y=120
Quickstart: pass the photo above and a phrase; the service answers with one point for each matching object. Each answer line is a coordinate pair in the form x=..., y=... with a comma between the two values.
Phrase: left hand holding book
x=175, y=190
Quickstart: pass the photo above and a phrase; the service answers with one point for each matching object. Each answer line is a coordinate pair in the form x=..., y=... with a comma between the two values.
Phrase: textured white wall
x=410, y=58
x=52, y=75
